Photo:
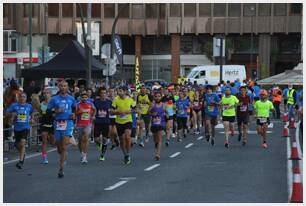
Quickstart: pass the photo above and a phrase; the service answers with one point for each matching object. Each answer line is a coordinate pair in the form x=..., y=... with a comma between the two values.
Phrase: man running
x=157, y=112
x=182, y=105
x=243, y=114
x=47, y=129
x=228, y=103
x=64, y=106
x=211, y=105
x=22, y=114
x=262, y=110
x=122, y=107
x=85, y=113
x=112, y=118
x=144, y=101
x=169, y=101
x=102, y=121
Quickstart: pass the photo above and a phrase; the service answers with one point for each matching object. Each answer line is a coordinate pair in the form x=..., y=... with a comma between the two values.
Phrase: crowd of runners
x=124, y=116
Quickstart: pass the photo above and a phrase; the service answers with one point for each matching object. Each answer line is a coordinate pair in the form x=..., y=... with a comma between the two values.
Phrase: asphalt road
x=198, y=173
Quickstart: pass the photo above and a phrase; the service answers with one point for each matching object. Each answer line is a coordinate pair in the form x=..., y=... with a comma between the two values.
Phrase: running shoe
x=127, y=160
x=167, y=143
x=19, y=165
x=239, y=137
x=84, y=160
x=212, y=142
x=184, y=136
x=197, y=132
x=147, y=139
x=141, y=144
x=45, y=160
x=226, y=144
x=207, y=137
x=157, y=157
x=102, y=158
x=179, y=139
x=60, y=173
x=243, y=143
x=264, y=145
x=113, y=147
x=173, y=135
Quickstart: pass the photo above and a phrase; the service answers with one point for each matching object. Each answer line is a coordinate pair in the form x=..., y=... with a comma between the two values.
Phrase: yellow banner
x=137, y=73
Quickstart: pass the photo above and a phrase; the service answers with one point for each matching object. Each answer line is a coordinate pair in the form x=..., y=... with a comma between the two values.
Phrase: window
x=84, y=10
x=67, y=10
x=137, y=11
x=295, y=9
x=109, y=10
x=202, y=74
x=125, y=13
x=9, y=41
x=151, y=11
x=249, y=9
x=219, y=10
x=189, y=10
x=162, y=11
x=234, y=10
x=53, y=10
x=175, y=10
x=279, y=9
x=5, y=10
x=204, y=9
x=26, y=10
x=96, y=10
x=264, y=10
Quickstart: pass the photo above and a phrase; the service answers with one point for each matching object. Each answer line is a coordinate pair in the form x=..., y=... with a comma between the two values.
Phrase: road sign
x=216, y=47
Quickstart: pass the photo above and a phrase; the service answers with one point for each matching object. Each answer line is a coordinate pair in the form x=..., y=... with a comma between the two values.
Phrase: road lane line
x=28, y=156
x=118, y=184
x=175, y=154
x=151, y=167
x=200, y=137
x=289, y=170
x=188, y=145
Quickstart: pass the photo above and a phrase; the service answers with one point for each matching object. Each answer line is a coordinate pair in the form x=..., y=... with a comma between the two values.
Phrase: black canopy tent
x=69, y=63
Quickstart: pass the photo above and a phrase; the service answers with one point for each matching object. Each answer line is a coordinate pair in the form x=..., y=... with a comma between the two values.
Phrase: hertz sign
x=232, y=73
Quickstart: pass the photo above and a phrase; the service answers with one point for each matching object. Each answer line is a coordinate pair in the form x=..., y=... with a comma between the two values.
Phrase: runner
x=169, y=101
x=144, y=101
x=228, y=103
x=211, y=105
x=243, y=114
x=262, y=110
x=64, y=106
x=182, y=105
x=102, y=121
x=47, y=129
x=197, y=114
x=113, y=131
x=157, y=112
x=85, y=114
x=122, y=108
x=22, y=114
x=135, y=115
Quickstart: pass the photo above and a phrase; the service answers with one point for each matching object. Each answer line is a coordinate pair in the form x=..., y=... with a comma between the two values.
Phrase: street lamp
x=251, y=52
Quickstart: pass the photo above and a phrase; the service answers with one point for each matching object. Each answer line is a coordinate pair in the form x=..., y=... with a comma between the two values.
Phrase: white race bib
x=85, y=116
x=263, y=120
x=102, y=113
x=243, y=108
x=61, y=125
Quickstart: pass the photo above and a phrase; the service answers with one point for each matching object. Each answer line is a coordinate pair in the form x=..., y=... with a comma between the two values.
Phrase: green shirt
x=263, y=108
x=228, y=105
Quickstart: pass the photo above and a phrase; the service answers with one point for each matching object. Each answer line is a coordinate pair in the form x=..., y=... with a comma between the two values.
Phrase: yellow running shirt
x=123, y=105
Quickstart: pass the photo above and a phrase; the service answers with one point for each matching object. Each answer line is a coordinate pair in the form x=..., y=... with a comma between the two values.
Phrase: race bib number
x=181, y=111
x=123, y=117
x=210, y=108
x=157, y=120
x=243, y=108
x=85, y=116
x=226, y=106
x=263, y=120
x=21, y=118
x=102, y=113
x=196, y=104
x=61, y=125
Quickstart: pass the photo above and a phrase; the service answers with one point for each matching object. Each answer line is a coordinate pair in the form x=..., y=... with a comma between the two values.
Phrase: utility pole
x=30, y=33
x=87, y=49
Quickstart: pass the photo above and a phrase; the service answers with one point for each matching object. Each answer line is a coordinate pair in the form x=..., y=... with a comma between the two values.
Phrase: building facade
x=170, y=39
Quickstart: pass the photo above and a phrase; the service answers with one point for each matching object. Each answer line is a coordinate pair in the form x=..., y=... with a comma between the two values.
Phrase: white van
x=211, y=73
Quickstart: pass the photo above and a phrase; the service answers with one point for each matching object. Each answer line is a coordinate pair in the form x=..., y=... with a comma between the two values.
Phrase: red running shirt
x=85, y=114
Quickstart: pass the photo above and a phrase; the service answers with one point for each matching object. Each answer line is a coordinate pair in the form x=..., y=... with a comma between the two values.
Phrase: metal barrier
x=33, y=138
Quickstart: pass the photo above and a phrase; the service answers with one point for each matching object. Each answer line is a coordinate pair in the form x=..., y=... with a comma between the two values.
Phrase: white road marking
x=271, y=125
x=118, y=184
x=219, y=126
x=151, y=167
x=127, y=178
x=175, y=154
x=200, y=137
x=188, y=145
x=289, y=170
x=28, y=156
x=249, y=132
